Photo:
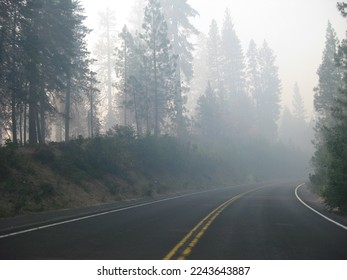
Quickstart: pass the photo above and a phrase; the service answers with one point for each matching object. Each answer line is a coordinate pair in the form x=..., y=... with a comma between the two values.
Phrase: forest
x=150, y=111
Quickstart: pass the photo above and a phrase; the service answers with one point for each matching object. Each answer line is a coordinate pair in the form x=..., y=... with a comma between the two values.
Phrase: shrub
x=44, y=154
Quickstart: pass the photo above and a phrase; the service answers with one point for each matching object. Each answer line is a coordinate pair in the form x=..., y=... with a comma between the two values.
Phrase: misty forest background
x=155, y=109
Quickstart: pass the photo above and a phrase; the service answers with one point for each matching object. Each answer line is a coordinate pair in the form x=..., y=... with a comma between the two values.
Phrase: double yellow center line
x=184, y=248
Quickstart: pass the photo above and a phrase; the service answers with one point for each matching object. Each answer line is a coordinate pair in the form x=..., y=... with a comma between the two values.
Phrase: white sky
x=294, y=29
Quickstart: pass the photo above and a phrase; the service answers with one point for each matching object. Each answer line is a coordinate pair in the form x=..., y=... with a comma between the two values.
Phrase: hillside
x=119, y=165
x=86, y=172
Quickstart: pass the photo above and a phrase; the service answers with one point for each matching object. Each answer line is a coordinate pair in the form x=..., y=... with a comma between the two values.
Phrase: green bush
x=44, y=154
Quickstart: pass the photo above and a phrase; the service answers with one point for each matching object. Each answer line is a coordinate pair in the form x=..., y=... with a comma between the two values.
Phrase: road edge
x=316, y=211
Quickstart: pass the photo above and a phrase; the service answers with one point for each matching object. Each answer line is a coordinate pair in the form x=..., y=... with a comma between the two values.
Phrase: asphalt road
x=264, y=221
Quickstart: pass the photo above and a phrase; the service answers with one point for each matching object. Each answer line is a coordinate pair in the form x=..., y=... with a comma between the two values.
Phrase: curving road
x=260, y=221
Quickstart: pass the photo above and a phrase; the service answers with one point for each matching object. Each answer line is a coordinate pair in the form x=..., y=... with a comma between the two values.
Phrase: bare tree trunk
x=14, y=116
x=125, y=85
x=91, y=114
x=68, y=104
x=42, y=118
x=21, y=124
x=109, y=78
x=25, y=123
x=32, y=113
x=147, y=101
x=14, y=81
x=156, y=94
x=39, y=134
x=178, y=89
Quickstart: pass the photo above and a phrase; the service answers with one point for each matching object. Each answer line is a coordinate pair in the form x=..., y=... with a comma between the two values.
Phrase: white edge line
x=97, y=214
x=317, y=212
x=105, y=213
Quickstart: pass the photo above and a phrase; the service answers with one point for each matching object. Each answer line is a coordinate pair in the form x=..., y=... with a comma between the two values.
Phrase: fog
x=234, y=78
x=130, y=115
x=295, y=30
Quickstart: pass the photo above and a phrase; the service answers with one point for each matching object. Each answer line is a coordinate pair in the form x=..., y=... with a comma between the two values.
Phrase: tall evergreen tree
x=124, y=54
x=40, y=65
x=214, y=56
x=268, y=100
x=140, y=88
x=330, y=159
x=208, y=115
x=104, y=54
x=11, y=57
x=198, y=83
x=335, y=136
x=237, y=104
x=93, y=122
x=78, y=62
x=43, y=50
x=233, y=64
x=329, y=81
x=161, y=64
x=180, y=30
x=329, y=75
x=253, y=70
x=298, y=104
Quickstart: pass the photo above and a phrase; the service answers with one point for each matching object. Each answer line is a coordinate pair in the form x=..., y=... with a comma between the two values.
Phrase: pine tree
x=53, y=43
x=161, y=64
x=214, y=56
x=198, y=83
x=35, y=27
x=237, y=104
x=268, y=100
x=93, y=122
x=104, y=54
x=140, y=88
x=298, y=104
x=124, y=54
x=11, y=70
x=178, y=14
x=330, y=159
x=329, y=75
x=233, y=65
x=77, y=63
x=44, y=53
x=253, y=71
x=208, y=114
x=287, y=127
x=329, y=81
x=335, y=136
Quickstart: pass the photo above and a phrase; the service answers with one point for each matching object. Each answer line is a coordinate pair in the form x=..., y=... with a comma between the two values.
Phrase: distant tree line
x=330, y=158
x=130, y=103
x=242, y=95
x=48, y=90
x=155, y=69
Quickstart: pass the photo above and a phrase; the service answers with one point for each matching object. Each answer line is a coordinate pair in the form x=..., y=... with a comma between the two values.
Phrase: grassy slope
x=88, y=172
x=118, y=166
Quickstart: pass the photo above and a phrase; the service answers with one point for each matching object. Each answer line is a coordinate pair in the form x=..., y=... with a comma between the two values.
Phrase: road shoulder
x=317, y=203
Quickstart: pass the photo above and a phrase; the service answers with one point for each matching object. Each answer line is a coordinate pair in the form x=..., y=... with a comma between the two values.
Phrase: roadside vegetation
x=330, y=159
x=119, y=165
x=160, y=114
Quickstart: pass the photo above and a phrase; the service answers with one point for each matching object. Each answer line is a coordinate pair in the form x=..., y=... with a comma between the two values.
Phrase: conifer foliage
x=44, y=65
x=330, y=159
x=247, y=92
